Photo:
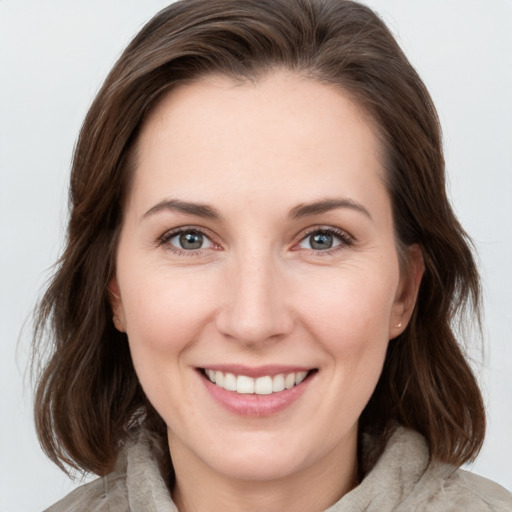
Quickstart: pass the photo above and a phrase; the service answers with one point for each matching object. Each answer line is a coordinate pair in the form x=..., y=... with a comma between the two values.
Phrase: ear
x=407, y=293
x=116, y=304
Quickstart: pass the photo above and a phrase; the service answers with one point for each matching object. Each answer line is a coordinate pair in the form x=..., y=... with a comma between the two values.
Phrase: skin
x=257, y=293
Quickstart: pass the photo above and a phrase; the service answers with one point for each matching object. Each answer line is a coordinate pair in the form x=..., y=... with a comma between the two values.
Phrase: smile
x=264, y=385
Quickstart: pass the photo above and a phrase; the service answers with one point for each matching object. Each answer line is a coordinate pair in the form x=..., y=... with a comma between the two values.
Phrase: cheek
x=165, y=317
x=352, y=326
x=349, y=319
x=350, y=313
x=166, y=311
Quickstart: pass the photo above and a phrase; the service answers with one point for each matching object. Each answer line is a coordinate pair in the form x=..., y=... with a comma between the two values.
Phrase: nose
x=255, y=308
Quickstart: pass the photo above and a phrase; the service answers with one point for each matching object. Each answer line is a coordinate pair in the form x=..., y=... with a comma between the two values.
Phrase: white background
x=53, y=56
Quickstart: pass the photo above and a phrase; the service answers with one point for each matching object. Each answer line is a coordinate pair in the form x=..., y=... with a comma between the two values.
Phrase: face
x=257, y=250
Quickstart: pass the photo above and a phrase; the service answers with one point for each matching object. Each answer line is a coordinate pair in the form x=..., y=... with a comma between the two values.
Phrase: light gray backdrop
x=53, y=57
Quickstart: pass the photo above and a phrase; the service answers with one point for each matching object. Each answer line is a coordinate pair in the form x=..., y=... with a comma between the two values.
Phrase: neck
x=200, y=488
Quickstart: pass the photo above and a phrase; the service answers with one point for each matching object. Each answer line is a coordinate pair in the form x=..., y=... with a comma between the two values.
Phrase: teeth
x=230, y=382
x=289, y=381
x=278, y=383
x=263, y=386
x=244, y=384
x=260, y=386
x=299, y=377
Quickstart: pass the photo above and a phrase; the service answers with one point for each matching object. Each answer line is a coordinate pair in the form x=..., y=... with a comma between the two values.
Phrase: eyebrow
x=176, y=205
x=298, y=212
x=326, y=205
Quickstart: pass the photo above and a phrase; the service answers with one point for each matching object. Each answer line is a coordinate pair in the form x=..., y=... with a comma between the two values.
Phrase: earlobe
x=116, y=305
x=408, y=291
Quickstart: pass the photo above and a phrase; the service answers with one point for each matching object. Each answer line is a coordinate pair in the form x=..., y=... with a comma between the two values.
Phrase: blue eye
x=190, y=240
x=324, y=239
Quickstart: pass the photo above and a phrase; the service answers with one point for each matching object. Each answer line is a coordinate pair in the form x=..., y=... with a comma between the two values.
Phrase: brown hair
x=88, y=394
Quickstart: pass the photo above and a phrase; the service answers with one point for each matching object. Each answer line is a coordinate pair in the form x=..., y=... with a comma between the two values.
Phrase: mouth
x=261, y=385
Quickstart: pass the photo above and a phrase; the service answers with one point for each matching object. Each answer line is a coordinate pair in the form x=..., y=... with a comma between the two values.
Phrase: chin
x=262, y=466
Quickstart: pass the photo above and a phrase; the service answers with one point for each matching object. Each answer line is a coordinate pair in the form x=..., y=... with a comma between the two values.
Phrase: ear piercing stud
x=115, y=319
x=399, y=325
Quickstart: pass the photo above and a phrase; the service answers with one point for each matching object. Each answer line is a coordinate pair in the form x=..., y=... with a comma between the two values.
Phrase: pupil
x=191, y=240
x=321, y=241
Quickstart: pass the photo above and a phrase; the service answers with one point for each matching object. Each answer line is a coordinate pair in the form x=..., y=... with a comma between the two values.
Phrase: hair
x=88, y=396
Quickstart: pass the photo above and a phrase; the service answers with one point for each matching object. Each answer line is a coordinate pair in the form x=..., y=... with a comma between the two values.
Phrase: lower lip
x=256, y=405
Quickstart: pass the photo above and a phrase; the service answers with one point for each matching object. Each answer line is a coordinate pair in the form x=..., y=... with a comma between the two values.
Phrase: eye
x=324, y=239
x=189, y=240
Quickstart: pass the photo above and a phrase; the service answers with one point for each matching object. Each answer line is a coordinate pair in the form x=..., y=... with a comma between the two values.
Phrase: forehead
x=275, y=99
x=256, y=136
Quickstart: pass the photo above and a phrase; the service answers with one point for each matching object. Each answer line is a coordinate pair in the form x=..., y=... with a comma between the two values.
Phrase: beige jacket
x=402, y=480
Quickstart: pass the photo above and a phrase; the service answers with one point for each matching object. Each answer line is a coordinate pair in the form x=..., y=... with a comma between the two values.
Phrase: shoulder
x=404, y=479
x=106, y=494
x=445, y=488
x=455, y=489
x=135, y=483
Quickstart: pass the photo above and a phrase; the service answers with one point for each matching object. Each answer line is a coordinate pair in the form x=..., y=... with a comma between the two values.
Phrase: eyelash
x=169, y=235
x=343, y=236
x=345, y=239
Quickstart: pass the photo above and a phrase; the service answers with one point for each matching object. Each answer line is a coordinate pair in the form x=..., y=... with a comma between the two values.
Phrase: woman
x=260, y=276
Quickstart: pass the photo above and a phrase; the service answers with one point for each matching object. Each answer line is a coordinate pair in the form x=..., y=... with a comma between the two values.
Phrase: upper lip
x=256, y=371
